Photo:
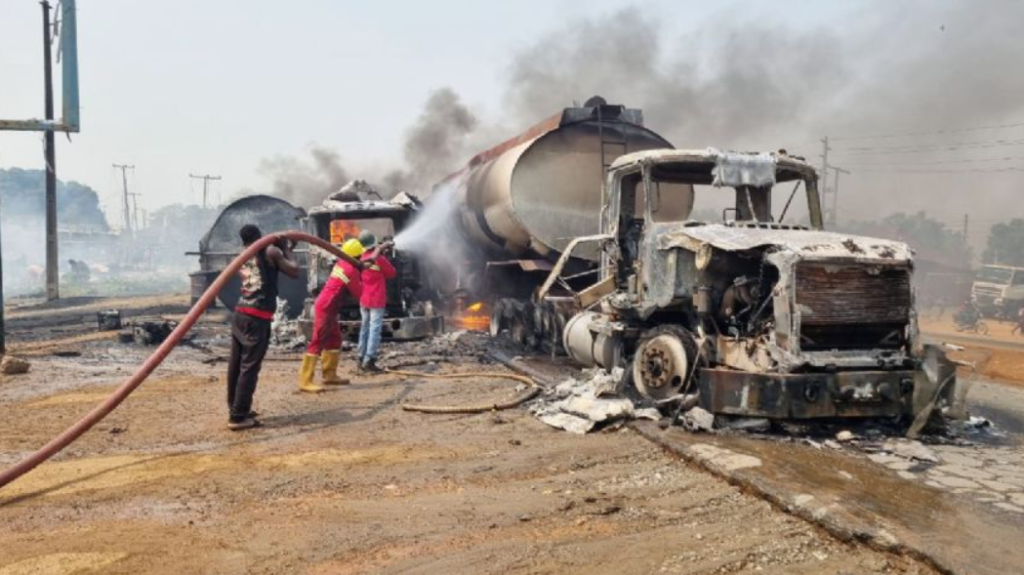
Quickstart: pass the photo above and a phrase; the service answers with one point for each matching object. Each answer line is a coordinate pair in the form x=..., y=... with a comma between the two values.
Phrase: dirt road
x=346, y=482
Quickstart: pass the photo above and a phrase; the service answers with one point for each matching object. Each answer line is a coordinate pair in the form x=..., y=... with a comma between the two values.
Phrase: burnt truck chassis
x=409, y=312
x=750, y=317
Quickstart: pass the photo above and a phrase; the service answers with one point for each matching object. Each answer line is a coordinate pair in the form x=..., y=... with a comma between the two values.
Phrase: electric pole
x=824, y=158
x=125, y=207
x=135, y=211
x=52, y=277
x=206, y=183
x=823, y=180
x=835, y=193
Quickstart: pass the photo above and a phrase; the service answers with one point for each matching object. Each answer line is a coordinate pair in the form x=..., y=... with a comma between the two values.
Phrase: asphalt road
x=973, y=339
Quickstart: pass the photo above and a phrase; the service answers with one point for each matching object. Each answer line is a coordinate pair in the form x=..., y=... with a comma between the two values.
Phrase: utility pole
x=52, y=276
x=835, y=193
x=135, y=211
x=823, y=179
x=206, y=183
x=125, y=208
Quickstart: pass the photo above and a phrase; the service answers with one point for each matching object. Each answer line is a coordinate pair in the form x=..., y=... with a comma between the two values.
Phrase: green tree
x=23, y=199
x=1006, y=244
x=930, y=238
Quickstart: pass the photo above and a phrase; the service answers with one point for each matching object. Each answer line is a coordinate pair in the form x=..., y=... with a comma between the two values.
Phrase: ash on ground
x=590, y=401
x=286, y=333
x=446, y=348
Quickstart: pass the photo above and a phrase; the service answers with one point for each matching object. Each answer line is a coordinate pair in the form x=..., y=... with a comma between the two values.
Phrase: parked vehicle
x=998, y=291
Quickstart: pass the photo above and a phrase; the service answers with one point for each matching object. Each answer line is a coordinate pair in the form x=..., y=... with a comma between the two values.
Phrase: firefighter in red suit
x=326, y=342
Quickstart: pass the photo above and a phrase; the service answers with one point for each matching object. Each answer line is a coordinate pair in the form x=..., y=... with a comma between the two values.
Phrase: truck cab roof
x=402, y=203
x=698, y=166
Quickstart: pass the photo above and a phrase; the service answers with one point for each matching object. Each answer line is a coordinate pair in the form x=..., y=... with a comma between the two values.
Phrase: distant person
x=377, y=270
x=250, y=324
x=1019, y=327
x=80, y=272
x=326, y=342
x=968, y=314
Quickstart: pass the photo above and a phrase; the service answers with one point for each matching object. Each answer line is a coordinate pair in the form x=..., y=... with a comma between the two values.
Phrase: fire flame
x=475, y=317
x=342, y=230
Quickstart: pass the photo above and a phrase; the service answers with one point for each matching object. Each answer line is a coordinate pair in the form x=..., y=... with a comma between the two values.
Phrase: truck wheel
x=663, y=362
x=498, y=321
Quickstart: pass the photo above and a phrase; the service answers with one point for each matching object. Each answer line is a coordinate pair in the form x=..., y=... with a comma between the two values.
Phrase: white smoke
x=435, y=239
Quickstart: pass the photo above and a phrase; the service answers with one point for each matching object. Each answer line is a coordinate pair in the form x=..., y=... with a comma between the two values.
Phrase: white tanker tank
x=526, y=198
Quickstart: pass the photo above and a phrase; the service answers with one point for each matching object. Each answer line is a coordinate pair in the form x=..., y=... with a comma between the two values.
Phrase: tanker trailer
x=221, y=244
x=520, y=203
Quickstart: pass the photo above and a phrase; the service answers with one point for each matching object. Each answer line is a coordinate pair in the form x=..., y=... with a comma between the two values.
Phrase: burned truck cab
x=409, y=314
x=748, y=306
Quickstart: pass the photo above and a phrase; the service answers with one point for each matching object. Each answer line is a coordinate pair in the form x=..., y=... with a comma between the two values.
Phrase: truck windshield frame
x=994, y=275
x=750, y=204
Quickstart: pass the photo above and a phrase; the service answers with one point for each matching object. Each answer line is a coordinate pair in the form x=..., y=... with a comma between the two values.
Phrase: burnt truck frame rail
x=748, y=316
x=409, y=313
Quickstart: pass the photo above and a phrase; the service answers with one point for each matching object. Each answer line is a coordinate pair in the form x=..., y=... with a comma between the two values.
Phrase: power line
x=206, y=184
x=940, y=162
x=1012, y=169
x=926, y=148
x=930, y=132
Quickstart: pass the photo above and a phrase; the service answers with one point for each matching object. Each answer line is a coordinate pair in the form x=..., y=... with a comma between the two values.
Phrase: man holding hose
x=250, y=324
x=377, y=270
x=326, y=342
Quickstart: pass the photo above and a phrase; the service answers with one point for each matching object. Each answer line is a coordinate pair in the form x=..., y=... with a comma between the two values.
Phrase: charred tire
x=498, y=321
x=663, y=362
x=981, y=328
x=516, y=317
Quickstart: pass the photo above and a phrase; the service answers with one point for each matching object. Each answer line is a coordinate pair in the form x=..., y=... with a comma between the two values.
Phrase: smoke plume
x=754, y=80
x=436, y=144
x=757, y=81
x=305, y=183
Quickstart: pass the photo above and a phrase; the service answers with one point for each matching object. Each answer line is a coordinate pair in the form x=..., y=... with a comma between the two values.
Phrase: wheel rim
x=660, y=367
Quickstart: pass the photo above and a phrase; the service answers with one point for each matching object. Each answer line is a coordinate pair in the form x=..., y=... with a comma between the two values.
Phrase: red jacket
x=375, y=295
x=344, y=277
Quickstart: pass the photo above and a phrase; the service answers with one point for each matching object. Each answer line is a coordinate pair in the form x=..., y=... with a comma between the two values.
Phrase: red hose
x=125, y=389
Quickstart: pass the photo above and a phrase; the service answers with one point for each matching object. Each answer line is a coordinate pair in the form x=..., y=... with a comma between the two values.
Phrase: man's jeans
x=369, y=333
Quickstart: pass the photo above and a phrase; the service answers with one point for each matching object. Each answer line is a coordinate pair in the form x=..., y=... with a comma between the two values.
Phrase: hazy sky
x=219, y=86
x=214, y=87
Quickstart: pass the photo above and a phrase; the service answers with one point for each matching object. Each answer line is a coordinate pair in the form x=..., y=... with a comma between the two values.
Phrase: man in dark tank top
x=250, y=324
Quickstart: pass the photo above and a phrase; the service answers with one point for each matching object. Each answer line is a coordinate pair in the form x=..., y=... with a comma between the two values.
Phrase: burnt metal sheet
x=808, y=244
x=807, y=395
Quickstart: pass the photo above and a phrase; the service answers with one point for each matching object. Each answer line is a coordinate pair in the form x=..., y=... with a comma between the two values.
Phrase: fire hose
x=108, y=405
x=531, y=393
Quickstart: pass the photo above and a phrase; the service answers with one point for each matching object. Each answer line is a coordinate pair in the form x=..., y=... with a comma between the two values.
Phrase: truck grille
x=852, y=307
x=988, y=291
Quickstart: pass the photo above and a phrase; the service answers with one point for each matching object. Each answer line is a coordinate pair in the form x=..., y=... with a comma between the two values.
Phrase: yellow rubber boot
x=331, y=358
x=306, y=374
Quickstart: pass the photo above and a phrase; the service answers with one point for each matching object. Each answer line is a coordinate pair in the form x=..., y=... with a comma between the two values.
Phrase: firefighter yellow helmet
x=352, y=248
